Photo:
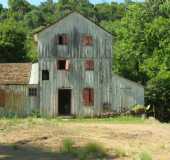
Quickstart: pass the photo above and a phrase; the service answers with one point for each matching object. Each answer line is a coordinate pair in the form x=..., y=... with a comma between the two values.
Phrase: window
x=62, y=39
x=63, y=64
x=88, y=96
x=32, y=92
x=45, y=75
x=87, y=40
x=2, y=98
x=89, y=65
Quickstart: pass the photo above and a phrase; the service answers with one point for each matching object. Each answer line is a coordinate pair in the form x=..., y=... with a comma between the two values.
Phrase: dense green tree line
x=141, y=38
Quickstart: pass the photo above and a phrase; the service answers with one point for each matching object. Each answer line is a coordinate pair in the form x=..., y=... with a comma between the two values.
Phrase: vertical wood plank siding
x=17, y=99
x=126, y=93
x=77, y=78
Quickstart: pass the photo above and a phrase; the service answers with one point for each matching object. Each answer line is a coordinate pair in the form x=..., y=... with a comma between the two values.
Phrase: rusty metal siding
x=17, y=99
x=126, y=93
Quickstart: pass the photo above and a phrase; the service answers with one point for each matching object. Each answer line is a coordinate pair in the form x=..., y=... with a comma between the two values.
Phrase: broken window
x=2, y=98
x=88, y=96
x=45, y=75
x=89, y=65
x=62, y=39
x=87, y=40
x=63, y=64
x=32, y=92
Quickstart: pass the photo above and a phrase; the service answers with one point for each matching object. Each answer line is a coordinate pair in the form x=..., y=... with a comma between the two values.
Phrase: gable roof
x=68, y=15
x=15, y=73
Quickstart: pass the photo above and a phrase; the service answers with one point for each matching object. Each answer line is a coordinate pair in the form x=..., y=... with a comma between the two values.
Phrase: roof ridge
x=75, y=11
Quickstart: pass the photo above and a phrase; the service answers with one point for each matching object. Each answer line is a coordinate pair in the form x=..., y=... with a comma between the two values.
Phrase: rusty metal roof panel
x=15, y=73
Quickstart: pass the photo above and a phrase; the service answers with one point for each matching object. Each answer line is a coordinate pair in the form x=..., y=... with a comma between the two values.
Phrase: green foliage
x=67, y=146
x=158, y=94
x=90, y=151
x=12, y=42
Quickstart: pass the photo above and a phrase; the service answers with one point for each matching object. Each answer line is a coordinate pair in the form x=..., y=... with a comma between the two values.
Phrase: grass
x=119, y=152
x=89, y=151
x=143, y=156
x=32, y=120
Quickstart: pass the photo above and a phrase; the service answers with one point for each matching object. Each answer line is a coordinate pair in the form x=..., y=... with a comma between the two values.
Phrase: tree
x=12, y=42
x=20, y=6
x=158, y=95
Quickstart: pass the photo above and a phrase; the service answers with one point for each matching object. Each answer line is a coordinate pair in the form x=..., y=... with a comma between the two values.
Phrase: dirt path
x=43, y=141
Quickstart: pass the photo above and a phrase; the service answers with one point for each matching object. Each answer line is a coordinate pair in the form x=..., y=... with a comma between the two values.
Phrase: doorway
x=64, y=101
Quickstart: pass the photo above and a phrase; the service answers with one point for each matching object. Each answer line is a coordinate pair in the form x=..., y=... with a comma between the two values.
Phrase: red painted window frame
x=89, y=64
x=88, y=96
x=87, y=40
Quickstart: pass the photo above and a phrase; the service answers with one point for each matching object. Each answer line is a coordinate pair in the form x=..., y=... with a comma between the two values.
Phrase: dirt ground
x=41, y=140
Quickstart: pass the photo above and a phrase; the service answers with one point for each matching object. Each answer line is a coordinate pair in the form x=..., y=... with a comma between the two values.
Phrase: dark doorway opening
x=64, y=101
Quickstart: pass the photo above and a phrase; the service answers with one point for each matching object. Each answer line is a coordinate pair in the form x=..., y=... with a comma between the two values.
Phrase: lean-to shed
x=19, y=87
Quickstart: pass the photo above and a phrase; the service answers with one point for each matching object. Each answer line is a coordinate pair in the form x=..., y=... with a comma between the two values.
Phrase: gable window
x=63, y=64
x=2, y=98
x=45, y=75
x=89, y=65
x=32, y=92
x=62, y=39
x=88, y=96
x=87, y=40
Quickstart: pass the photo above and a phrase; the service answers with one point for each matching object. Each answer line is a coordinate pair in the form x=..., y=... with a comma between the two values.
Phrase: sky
x=37, y=2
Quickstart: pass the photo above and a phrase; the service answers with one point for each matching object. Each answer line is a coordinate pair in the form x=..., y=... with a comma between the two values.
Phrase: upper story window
x=89, y=64
x=62, y=39
x=87, y=40
x=63, y=64
x=45, y=75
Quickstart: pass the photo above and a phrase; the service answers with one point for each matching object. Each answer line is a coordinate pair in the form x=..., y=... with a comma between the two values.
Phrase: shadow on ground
x=28, y=152
x=19, y=151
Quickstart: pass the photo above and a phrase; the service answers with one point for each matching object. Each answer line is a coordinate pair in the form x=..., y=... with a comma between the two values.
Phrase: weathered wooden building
x=73, y=75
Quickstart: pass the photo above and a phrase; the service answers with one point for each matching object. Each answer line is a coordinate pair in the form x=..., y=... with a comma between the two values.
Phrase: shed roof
x=15, y=73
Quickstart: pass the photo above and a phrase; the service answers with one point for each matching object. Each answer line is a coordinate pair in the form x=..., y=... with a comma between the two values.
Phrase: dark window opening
x=45, y=75
x=62, y=39
x=87, y=40
x=63, y=64
x=2, y=98
x=89, y=65
x=32, y=92
x=88, y=96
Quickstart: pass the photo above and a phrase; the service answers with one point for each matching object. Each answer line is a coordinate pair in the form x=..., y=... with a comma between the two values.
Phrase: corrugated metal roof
x=15, y=73
x=34, y=74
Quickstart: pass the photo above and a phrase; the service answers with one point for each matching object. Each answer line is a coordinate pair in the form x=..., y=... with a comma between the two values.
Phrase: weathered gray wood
x=107, y=90
x=18, y=101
